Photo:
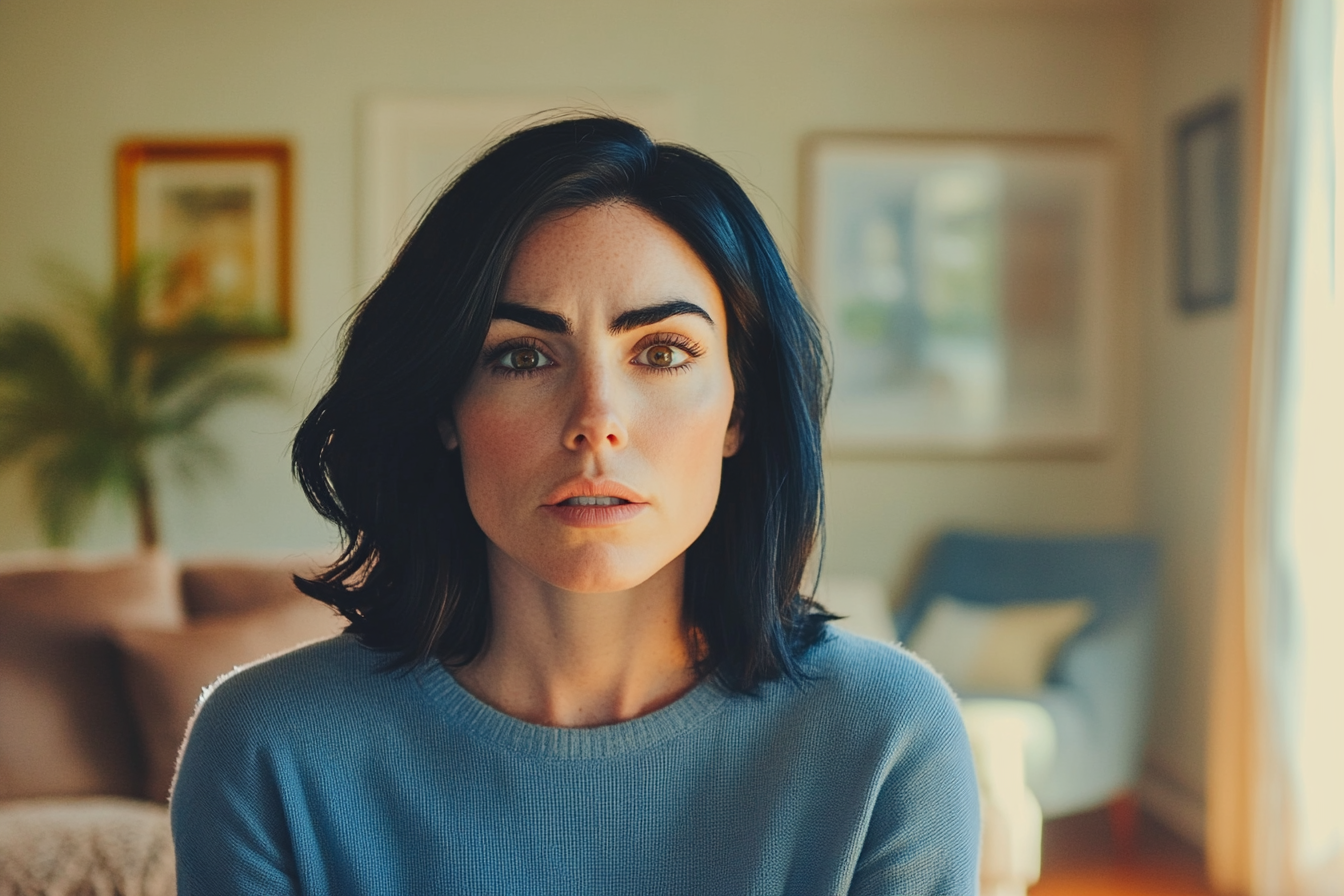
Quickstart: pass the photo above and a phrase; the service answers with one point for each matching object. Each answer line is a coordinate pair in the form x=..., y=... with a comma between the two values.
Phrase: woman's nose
x=596, y=420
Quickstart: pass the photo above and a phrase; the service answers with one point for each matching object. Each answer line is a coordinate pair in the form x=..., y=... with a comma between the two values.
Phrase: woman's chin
x=598, y=569
x=588, y=581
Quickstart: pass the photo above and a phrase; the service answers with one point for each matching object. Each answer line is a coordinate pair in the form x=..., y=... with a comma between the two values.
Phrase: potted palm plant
x=93, y=407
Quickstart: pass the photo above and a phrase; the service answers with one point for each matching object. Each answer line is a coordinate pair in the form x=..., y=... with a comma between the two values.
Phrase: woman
x=573, y=446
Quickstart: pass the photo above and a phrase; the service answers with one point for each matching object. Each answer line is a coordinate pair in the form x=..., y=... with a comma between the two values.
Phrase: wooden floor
x=1079, y=859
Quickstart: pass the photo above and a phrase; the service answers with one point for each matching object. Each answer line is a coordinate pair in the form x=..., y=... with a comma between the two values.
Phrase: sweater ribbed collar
x=483, y=721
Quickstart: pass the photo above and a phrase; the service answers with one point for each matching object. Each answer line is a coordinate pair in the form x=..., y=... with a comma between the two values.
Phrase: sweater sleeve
x=228, y=822
x=924, y=834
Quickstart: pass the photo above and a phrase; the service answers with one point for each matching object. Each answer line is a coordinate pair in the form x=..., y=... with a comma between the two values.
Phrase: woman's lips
x=587, y=516
x=594, y=501
x=589, y=489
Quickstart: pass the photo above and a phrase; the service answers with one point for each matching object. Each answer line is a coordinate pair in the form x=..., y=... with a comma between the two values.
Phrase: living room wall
x=753, y=76
x=1202, y=49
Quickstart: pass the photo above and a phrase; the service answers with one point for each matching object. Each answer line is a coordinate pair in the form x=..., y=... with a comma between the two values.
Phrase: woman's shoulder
x=852, y=660
x=313, y=681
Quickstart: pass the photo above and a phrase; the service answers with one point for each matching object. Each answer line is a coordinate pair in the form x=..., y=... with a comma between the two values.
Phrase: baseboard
x=1173, y=804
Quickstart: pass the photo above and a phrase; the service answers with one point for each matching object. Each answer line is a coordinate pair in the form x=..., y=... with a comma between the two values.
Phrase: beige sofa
x=102, y=661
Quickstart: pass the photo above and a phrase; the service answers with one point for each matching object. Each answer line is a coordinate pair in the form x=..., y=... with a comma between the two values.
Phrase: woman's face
x=592, y=431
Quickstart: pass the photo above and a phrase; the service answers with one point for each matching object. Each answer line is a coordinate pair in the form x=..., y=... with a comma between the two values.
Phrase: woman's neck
x=575, y=660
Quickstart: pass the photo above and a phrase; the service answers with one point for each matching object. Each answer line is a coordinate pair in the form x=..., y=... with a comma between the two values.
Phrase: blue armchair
x=1096, y=695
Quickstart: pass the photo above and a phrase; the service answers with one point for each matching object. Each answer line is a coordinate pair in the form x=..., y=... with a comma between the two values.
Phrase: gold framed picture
x=207, y=225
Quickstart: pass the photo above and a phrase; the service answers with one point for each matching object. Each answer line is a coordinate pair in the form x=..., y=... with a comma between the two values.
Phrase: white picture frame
x=966, y=284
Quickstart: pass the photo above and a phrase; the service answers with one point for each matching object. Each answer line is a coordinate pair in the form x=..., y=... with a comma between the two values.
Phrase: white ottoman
x=1002, y=733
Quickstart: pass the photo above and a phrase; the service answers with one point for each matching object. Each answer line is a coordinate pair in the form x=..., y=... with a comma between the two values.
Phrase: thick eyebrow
x=546, y=321
x=652, y=314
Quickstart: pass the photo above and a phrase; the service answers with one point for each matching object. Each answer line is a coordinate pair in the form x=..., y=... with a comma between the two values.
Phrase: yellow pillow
x=996, y=649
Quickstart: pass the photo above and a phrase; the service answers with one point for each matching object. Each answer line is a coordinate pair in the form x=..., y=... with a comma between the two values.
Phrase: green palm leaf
x=184, y=410
x=84, y=401
x=68, y=482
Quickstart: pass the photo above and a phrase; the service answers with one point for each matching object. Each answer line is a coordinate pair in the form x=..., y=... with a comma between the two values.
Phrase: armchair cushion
x=1099, y=708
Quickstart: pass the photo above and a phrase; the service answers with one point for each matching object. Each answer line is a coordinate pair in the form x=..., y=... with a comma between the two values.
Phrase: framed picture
x=965, y=284
x=413, y=146
x=208, y=225
x=1205, y=207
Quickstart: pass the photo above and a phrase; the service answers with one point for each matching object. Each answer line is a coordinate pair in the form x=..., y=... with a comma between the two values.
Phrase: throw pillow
x=222, y=585
x=65, y=726
x=996, y=649
x=166, y=671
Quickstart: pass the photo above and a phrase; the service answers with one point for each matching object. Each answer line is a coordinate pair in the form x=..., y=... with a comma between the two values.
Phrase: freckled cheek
x=502, y=446
x=682, y=439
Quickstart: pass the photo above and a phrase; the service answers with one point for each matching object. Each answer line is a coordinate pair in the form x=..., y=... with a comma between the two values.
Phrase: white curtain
x=1306, y=533
x=1276, y=785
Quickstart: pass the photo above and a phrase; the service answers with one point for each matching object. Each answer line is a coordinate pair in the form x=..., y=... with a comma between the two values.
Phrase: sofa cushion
x=65, y=728
x=166, y=671
x=226, y=585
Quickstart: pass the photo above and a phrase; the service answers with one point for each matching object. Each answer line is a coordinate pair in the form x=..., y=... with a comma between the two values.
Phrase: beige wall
x=1201, y=49
x=754, y=76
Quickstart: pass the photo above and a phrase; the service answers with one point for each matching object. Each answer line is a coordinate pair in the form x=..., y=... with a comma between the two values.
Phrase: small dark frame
x=1207, y=162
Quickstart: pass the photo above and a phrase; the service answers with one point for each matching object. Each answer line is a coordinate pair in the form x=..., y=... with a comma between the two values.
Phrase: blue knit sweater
x=317, y=773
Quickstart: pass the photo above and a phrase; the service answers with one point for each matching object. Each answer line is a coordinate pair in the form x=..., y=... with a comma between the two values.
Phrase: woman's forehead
x=606, y=261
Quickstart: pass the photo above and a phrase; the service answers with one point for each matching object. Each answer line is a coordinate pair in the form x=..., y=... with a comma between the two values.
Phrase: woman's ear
x=447, y=434
x=732, y=440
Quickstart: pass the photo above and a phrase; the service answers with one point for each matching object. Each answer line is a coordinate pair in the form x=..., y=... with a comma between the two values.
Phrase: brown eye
x=524, y=358
x=663, y=357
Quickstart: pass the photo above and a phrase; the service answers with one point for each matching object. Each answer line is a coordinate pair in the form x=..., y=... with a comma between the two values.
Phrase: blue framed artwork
x=966, y=287
x=1205, y=208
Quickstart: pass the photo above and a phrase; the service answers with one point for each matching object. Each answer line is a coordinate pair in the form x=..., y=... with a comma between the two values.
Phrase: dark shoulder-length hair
x=412, y=577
